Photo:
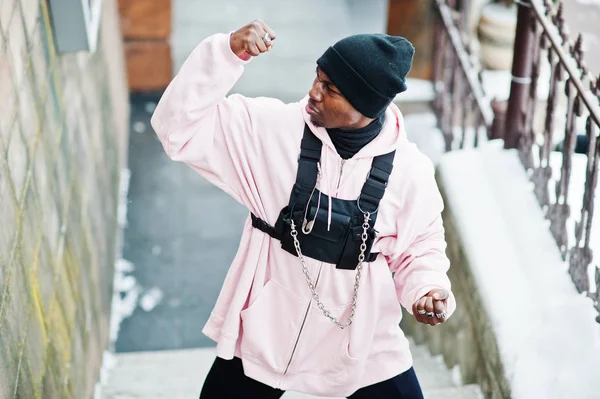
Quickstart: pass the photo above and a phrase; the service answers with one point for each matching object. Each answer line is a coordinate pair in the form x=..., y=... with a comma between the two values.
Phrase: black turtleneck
x=348, y=142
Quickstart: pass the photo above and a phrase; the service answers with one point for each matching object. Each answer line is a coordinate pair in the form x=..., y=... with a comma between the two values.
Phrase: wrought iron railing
x=542, y=41
x=574, y=94
x=460, y=103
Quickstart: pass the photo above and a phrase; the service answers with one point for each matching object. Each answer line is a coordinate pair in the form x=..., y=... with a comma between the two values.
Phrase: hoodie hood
x=392, y=134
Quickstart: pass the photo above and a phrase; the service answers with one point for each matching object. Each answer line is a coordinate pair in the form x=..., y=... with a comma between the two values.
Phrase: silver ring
x=422, y=311
x=441, y=315
x=267, y=38
x=430, y=314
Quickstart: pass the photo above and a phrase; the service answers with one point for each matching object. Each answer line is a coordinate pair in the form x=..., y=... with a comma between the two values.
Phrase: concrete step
x=180, y=374
x=156, y=375
x=464, y=392
x=431, y=370
x=418, y=351
x=432, y=373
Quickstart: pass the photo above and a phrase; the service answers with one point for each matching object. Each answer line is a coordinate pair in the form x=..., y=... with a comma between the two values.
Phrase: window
x=75, y=24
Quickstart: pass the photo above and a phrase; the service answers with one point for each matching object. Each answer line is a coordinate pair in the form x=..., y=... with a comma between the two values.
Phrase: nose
x=316, y=92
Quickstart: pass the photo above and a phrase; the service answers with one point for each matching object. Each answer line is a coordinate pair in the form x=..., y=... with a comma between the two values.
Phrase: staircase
x=180, y=374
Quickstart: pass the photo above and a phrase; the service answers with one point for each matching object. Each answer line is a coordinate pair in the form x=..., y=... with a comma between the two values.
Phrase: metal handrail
x=462, y=96
x=540, y=29
x=466, y=66
x=565, y=60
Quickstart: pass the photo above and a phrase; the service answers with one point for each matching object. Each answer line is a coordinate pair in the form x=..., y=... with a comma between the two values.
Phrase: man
x=345, y=221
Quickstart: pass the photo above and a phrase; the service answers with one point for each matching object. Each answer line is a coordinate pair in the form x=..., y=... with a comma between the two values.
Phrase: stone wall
x=63, y=134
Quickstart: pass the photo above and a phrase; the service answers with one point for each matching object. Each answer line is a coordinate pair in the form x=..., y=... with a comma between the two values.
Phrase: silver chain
x=361, y=258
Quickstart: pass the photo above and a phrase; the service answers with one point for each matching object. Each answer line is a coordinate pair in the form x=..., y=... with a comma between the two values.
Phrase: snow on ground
x=575, y=200
x=549, y=342
x=418, y=90
x=422, y=130
x=586, y=2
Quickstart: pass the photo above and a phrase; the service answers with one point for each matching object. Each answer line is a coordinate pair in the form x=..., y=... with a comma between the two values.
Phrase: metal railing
x=568, y=96
x=460, y=99
x=533, y=124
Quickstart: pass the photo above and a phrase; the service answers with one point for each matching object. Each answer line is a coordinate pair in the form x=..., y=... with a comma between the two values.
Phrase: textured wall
x=63, y=129
x=466, y=339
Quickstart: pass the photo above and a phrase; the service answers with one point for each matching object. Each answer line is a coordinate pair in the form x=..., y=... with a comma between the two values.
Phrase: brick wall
x=63, y=133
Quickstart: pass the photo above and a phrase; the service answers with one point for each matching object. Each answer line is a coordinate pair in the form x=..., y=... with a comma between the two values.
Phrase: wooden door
x=413, y=19
x=146, y=28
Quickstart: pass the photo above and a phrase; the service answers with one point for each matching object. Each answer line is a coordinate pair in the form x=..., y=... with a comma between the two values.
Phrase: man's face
x=328, y=108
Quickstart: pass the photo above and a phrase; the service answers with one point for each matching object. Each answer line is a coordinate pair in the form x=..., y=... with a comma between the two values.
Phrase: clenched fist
x=253, y=39
x=431, y=308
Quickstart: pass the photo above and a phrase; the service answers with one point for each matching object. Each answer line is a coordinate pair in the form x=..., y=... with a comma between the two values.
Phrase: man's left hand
x=432, y=308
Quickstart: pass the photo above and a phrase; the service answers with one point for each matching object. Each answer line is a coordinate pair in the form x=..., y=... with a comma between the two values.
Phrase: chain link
x=361, y=258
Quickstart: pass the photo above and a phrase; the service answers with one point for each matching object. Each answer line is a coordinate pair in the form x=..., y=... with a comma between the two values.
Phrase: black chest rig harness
x=303, y=225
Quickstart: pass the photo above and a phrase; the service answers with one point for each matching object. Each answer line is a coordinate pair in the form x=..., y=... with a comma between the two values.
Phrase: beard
x=316, y=122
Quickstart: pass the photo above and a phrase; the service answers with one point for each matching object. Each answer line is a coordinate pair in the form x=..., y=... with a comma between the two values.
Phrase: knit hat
x=369, y=70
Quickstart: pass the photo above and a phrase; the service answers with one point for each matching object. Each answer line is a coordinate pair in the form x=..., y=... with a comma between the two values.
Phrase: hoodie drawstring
x=308, y=225
x=329, y=195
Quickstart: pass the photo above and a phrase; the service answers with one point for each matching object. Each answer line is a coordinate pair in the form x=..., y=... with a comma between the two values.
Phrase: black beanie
x=369, y=70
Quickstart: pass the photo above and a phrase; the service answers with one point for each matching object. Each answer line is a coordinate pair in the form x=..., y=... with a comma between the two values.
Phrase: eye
x=329, y=89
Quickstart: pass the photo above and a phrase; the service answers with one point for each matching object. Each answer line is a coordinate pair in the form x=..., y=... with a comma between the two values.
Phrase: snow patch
x=139, y=127
x=150, y=107
x=457, y=378
x=417, y=90
x=126, y=289
x=575, y=201
x=125, y=297
x=156, y=250
x=422, y=130
x=123, y=190
x=151, y=299
x=548, y=339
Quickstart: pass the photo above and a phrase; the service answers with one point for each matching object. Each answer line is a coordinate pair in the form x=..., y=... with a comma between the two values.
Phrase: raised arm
x=214, y=134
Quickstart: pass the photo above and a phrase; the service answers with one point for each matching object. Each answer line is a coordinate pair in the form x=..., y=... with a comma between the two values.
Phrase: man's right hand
x=251, y=39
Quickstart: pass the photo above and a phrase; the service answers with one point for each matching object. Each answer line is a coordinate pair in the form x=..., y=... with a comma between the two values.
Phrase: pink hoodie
x=265, y=313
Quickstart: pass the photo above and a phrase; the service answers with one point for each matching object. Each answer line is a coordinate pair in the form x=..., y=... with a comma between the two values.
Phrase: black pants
x=226, y=380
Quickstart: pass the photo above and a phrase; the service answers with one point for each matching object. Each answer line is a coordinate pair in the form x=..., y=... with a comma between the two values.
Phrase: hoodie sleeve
x=420, y=264
x=213, y=134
